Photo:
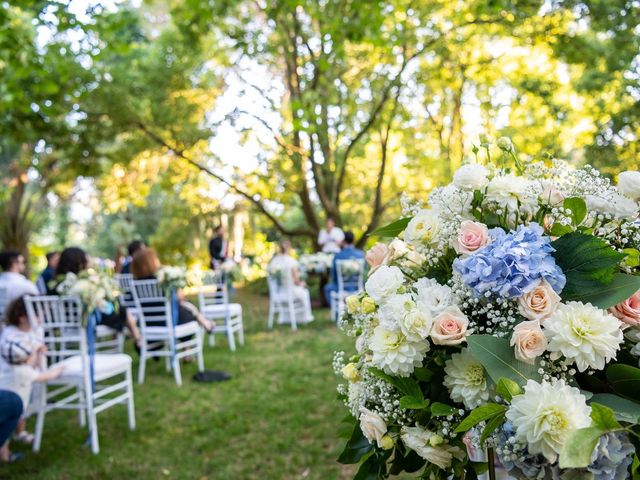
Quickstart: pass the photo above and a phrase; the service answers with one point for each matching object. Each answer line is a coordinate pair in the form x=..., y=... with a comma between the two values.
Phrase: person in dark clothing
x=10, y=413
x=49, y=272
x=218, y=247
x=145, y=266
x=348, y=252
x=132, y=248
x=75, y=260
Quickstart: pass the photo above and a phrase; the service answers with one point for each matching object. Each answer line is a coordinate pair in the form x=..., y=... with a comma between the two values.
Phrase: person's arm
x=50, y=374
x=322, y=238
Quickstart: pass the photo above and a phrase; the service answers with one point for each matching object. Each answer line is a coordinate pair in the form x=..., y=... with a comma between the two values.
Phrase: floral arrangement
x=172, y=277
x=96, y=290
x=316, y=262
x=231, y=270
x=500, y=329
x=350, y=267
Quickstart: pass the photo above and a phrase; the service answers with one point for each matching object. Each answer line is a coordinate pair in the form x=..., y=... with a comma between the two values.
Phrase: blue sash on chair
x=175, y=312
x=92, y=322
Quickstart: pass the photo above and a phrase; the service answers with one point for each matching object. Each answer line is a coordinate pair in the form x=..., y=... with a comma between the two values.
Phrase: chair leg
x=212, y=340
x=200, y=354
x=177, y=375
x=37, y=441
x=167, y=364
x=121, y=338
x=143, y=363
x=241, y=332
x=93, y=424
x=131, y=409
x=82, y=413
x=270, y=318
x=292, y=316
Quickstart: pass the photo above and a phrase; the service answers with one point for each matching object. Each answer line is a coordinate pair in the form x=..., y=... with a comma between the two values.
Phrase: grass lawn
x=276, y=419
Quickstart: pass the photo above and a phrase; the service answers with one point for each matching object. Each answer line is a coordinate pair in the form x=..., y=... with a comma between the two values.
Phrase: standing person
x=218, y=247
x=284, y=262
x=12, y=277
x=49, y=272
x=348, y=252
x=132, y=248
x=330, y=237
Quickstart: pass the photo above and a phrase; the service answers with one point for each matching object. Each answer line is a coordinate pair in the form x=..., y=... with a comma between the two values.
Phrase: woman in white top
x=289, y=274
x=330, y=238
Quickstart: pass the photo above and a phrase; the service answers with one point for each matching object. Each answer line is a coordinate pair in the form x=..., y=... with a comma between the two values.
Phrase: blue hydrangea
x=611, y=457
x=511, y=264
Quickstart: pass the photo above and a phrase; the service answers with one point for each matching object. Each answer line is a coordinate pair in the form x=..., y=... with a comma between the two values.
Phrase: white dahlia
x=510, y=191
x=546, y=414
x=423, y=228
x=583, y=334
x=384, y=282
x=393, y=308
x=394, y=353
x=432, y=296
x=465, y=379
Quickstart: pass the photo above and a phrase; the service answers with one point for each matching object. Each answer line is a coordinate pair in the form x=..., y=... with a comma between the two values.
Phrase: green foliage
x=393, y=229
x=625, y=380
x=481, y=414
x=497, y=357
x=356, y=448
x=508, y=389
x=625, y=410
x=578, y=209
x=588, y=263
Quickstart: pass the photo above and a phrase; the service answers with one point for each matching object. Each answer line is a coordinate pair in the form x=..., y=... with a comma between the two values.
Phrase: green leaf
x=603, y=417
x=632, y=257
x=441, y=410
x=577, y=450
x=508, y=389
x=625, y=410
x=625, y=380
x=587, y=262
x=413, y=403
x=369, y=469
x=578, y=209
x=423, y=374
x=393, y=229
x=480, y=414
x=606, y=296
x=491, y=426
x=497, y=357
x=356, y=448
x=557, y=229
x=407, y=386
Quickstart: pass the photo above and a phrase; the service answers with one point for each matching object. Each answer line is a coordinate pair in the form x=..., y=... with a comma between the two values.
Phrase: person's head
x=12, y=261
x=348, y=238
x=330, y=223
x=219, y=230
x=284, y=246
x=145, y=263
x=72, y=260
x=52, y=259
x=134, y=246
x=16, y=313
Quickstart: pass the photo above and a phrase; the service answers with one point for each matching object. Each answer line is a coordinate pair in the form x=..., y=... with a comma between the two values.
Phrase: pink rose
x=528, y=341
x=539, y=303
x=628, y=311
x=376, y=255
x=471, y=237
x=449, y=327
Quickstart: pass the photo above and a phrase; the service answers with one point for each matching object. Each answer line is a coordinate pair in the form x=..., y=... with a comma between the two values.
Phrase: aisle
x=276, y=419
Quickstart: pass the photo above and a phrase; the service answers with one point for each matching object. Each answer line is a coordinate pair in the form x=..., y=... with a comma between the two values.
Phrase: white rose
x=551, y=195
x=471, y=177
x=598, y=204
x=372, y=425
x=624, y=207
x=394, y=308
x=507, y=190
x=539, y=303
x=416, y=324
x=432, y=296
x=430, y=446
x=423, y=229
x=384, y=282
x=629, y=184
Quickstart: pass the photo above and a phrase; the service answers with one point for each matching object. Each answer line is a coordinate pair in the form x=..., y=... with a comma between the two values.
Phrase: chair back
x=280, y=284
x=217, y=293
x=152, y=304
x=125, y=284
x=4, y=301
x=350, y=275
x=60, y=320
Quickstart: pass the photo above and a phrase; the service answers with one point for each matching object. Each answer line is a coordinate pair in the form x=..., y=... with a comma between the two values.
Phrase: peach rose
x=449, y=327
x=376, y=255
x=471, y=237
x=539, y=303
x=528, y=341
x=628, y=311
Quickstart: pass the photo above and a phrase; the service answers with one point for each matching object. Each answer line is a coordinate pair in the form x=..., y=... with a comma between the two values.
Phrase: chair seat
x=156, y=333
x=104, y=331
x=105, y=365
x=220, y=310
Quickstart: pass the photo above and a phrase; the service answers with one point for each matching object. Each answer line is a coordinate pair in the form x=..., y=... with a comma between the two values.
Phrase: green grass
x=276, y=419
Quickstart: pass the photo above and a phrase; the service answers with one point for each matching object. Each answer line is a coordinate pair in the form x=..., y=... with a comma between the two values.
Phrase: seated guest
x=12, y=278
x=348, y=252
x=48, y=273
x=283, y=261
x=21, y=350
x=330, y=237
x=132, y=248
x=75, y=260
x=145, y=266
x=10, y=413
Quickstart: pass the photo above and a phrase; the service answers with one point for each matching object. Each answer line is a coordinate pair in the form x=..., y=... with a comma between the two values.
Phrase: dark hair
x=50, y=255
x=15, y=312
x=348, y=237
x=218, y=228
x=72, y=259
x=8, y=258
x=134, y=246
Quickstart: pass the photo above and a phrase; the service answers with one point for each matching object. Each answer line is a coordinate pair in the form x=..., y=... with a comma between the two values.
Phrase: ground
x=276, y=419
